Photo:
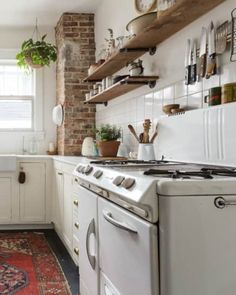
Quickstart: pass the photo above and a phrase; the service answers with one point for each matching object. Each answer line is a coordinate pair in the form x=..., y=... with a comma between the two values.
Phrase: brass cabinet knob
x=76, y=250
x=77, y=224
x=76, y=203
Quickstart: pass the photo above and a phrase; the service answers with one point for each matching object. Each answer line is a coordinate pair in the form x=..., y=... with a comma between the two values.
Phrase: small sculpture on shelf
x=110, y=44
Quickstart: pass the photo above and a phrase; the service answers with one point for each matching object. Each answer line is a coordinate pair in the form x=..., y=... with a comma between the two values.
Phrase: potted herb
x=107, y=142
x=36, y=54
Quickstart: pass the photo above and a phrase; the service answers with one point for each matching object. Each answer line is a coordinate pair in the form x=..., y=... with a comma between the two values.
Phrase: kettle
x=88, y=147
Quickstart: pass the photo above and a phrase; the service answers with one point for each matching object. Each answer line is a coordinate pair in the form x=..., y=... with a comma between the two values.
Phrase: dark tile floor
x=69, y=268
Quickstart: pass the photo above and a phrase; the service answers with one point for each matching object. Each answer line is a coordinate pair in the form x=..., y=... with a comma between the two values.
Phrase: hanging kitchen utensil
x=193, y=77
x=188, y=62
x=201, y=69
x=233, y=36
x=132, y=130
x=221, y=37
x=211, y=56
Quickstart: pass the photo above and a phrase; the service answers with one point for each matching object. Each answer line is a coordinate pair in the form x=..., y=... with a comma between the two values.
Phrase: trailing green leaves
x=36, y=53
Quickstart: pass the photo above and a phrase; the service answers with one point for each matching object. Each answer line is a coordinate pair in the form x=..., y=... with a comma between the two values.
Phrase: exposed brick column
x=76, y=51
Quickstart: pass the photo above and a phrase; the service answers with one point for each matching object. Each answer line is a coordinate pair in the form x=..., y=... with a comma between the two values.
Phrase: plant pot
x=108, y=148
x=29, y=61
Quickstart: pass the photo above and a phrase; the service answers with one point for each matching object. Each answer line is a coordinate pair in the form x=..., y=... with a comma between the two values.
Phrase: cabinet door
x=67, y=205
x=5, y=200
x=88, y=242
x=32, y=193
x=58, y=201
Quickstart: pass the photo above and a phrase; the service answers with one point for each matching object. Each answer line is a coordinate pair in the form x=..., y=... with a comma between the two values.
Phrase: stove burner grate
x=179, y=174
x=126, y=162
x=220, y=171
x=206, y=173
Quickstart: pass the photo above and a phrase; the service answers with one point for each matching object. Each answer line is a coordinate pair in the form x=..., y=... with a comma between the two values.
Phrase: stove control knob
x=118, y=180
x=88, y=170
x=97, y=174
x=79, y=168
x=128, y=183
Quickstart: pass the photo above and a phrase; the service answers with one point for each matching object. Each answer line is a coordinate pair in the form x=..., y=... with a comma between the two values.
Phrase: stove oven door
x=128, y=252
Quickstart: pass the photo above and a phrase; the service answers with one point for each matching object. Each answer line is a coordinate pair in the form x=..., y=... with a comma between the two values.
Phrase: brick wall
x=76, y=51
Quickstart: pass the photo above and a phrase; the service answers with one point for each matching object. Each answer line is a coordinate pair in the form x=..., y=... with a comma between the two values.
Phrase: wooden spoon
x=141, y=137
x=131, y=129
x=154, y=134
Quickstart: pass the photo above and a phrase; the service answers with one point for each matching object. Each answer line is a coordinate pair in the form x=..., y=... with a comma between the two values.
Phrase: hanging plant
x=36, y=54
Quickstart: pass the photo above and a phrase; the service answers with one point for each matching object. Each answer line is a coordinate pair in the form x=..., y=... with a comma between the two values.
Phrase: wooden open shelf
x=171, y=21
x=125, y=85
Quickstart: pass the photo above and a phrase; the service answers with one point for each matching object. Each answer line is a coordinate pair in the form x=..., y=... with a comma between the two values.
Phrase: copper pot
x=108, y=148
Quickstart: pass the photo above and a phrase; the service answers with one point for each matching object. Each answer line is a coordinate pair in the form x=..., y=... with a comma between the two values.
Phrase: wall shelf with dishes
x=121, y=87
x=153, y=33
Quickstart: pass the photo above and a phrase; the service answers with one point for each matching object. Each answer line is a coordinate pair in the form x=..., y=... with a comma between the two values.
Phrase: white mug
x=146, y=152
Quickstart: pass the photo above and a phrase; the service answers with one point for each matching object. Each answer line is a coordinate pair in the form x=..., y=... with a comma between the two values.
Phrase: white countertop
x=73, y=160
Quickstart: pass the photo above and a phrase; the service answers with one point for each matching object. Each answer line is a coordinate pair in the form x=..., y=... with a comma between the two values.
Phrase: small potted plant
x=36, y=54
x=107, y=142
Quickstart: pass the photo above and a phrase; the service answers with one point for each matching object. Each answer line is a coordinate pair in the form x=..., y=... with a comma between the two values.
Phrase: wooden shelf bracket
x=151, y=50
x=151, y=84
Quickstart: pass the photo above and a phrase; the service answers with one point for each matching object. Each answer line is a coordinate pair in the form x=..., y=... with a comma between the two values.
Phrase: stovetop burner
x=206, y=173
x=127, y=162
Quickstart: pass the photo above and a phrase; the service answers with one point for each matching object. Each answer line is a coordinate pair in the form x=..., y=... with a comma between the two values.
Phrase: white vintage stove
x=163, y=227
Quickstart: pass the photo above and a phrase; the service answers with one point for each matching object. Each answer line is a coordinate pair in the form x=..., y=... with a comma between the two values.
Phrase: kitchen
x=159, y=217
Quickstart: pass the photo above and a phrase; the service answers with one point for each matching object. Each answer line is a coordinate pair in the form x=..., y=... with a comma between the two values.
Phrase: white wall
x=11, y=39
x=168, y=63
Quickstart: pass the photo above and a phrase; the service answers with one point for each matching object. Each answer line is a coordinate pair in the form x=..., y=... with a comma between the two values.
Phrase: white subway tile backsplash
x=213, y=81
x=140, y=111
x=195, y=101
x=169, y=93
x=148, y=106
x=137, y=106
x=181, y=89
x=194, y=88
x=228, y=73
x=182, y=101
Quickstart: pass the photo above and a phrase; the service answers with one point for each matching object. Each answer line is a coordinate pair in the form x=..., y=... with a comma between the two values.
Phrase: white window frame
x=7, y=56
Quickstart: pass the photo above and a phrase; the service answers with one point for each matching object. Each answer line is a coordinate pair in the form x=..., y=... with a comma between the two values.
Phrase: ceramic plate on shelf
x=58, y=115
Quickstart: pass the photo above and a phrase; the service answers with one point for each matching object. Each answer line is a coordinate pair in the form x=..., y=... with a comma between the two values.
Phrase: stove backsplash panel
x=206, y=136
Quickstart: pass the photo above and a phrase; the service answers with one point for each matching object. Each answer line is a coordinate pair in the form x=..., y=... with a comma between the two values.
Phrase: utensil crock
x=146, y=152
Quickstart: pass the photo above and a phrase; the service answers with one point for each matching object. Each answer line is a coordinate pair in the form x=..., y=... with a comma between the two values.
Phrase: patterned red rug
x=29, y=267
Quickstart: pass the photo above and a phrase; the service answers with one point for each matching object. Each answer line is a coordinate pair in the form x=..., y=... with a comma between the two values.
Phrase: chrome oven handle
x=221, y=203
x=121, y=225
x=91, y=230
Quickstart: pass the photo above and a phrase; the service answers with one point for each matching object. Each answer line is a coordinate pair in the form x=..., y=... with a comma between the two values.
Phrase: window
x=16, y=97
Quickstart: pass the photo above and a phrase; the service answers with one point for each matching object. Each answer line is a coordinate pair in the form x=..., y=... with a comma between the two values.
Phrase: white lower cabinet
x=63, y=204
x=32, y=193
x=6, y=199
x=67, y=205
x=58, y=201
